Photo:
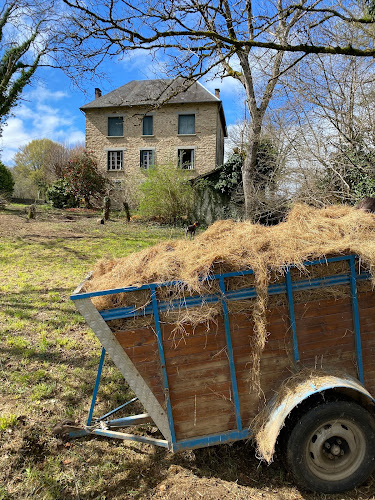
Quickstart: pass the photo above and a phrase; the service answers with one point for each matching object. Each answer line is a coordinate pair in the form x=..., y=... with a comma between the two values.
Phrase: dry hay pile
x=234, y=246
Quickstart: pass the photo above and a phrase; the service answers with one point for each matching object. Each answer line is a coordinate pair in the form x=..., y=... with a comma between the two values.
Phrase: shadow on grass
x=60, y=238
x=76, y=382
x=234, y=463
x=54, y=358
x=13, y=297
x=56, y=245
x=14, y=211
x=26, y=304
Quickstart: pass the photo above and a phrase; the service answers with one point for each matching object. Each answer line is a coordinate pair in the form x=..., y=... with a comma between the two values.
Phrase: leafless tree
x=332, y=109
x=253, y=42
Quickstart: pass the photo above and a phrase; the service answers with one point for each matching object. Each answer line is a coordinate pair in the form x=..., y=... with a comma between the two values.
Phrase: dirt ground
x=36, y=464
x=62, y=224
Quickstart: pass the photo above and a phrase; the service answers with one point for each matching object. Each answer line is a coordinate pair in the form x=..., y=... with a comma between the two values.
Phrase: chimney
x=98, y=93
x=217, y=93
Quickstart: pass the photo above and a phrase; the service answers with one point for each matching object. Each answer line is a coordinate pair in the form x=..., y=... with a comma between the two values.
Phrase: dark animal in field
x=367, y=204
x=190, y=230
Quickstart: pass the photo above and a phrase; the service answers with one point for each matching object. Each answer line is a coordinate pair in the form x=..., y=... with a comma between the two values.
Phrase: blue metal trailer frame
x=102, y=426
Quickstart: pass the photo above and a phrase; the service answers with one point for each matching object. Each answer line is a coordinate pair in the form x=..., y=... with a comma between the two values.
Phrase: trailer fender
x=269, y=422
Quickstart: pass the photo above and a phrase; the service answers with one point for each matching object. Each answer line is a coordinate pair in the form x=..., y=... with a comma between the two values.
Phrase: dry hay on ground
x=307, y=233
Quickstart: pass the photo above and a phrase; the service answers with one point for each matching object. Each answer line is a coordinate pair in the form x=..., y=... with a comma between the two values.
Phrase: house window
x=116, y=126
x=114, y=160
x=148, y=125
x=186, y=159
x=147, y=158
x=186, y=124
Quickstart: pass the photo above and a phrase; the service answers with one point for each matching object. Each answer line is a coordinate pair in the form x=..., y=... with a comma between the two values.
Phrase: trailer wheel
x=332, y=448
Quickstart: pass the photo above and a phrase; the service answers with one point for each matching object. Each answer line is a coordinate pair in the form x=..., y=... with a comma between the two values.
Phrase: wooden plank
x=332, y=323
x=200, y=407
x=324, y=307
x=334, y=329
x=366, y=303
x=368, y=334
x=199, y=370
x=187, y=430
x=136, y=337
x=369, y=359
x=223, y=390
x=327, y=345
x=140, y=357
x=200, y=330
x=144, y=351
x=346, y=364
x=366, y=300
x=181, y=388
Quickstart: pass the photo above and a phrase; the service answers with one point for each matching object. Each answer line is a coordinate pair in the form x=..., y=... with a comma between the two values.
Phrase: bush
x=167, y=194
x=350, y=175
x=84, y=179
x=6, y=181
x=60, y=196
x=230, y=176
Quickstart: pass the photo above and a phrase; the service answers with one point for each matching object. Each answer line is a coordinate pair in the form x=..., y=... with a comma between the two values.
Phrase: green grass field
x=48, y=364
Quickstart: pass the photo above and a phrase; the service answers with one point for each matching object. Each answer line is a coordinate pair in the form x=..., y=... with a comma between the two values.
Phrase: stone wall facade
x=207, y=141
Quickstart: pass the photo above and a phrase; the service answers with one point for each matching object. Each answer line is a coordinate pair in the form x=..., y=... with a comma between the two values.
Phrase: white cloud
x=41, y=93
x=43, y=113
x=14, y=136
x=143, y=62
x=228, y=86
x=76, y=137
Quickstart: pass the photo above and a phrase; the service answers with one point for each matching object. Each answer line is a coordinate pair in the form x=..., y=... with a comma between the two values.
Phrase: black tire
x=332, y=448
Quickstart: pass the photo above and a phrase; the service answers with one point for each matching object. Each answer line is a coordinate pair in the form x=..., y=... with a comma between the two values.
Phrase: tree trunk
x=127, y=211
x=248, y=171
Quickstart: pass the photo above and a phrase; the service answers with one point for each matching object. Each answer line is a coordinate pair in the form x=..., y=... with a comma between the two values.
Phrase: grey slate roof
x=151, y=92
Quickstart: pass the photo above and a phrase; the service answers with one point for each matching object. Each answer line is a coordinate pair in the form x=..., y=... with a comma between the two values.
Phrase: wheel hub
x=335, y=449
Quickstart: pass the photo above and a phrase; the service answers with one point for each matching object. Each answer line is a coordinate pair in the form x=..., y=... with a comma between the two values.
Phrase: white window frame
x=184, y=148
x=120, y=162
x=152, y=150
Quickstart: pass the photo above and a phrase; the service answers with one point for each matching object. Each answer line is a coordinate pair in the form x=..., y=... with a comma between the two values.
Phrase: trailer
x=317, y=371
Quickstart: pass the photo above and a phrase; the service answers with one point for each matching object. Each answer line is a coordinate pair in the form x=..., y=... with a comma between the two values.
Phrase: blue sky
x=50, y=105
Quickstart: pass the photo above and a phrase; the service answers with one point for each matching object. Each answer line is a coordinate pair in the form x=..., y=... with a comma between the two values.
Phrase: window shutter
x=116, y=126
x=148, y=125
x=186, y=124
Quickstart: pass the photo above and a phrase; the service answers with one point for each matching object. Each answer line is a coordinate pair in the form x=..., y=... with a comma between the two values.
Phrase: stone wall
x=165, y=141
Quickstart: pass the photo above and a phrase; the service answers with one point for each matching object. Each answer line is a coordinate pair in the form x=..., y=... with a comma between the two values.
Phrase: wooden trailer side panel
x=141, y=346
x=326, y=339
x=199, y=379
x=366, y=303
x=275, y=363
x=198, y=369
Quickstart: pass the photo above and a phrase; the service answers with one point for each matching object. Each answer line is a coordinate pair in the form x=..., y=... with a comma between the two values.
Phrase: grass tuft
x=7, y=421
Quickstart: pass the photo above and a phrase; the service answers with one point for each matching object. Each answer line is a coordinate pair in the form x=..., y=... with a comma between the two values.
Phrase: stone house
x=147, y=122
